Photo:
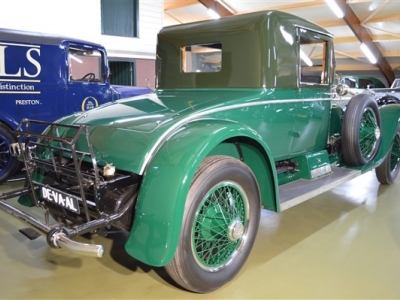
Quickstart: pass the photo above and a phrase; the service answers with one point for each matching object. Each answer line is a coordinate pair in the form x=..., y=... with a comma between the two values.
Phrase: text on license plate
x=59, y=198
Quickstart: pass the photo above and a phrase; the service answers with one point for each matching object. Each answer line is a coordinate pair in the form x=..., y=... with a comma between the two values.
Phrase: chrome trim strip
x=166, y=134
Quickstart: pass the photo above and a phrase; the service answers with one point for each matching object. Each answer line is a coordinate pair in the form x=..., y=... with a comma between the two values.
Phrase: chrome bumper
x=58, y=237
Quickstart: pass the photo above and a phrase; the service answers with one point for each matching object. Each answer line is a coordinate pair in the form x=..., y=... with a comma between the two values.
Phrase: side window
x=201, y=58
x=313, y=51
x=85, y=65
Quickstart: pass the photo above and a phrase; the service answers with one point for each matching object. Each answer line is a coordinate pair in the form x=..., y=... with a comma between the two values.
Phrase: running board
x=301, y=190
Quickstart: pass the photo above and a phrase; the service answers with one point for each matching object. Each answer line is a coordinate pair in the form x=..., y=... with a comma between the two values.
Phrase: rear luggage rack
x=56, y=145
x=53, y=163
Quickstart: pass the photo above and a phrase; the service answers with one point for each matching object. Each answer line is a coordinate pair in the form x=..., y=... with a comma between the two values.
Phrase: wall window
x=122, y=73
x=120, y=17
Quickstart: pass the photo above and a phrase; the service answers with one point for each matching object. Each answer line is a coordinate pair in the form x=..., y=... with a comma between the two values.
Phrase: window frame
x=321, y=39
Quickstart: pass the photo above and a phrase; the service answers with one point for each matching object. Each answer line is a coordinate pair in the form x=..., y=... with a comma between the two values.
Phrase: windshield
x=85, y=65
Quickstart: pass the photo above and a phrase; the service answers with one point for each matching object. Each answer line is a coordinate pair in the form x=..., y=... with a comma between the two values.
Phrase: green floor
x=344, y=244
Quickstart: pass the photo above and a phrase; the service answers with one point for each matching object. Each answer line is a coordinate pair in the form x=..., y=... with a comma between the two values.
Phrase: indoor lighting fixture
x=335, y=7
x=212, y=13
x=368, y=53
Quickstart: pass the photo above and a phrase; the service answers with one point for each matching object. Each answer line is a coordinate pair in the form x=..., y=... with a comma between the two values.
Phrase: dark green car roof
x=253, y=46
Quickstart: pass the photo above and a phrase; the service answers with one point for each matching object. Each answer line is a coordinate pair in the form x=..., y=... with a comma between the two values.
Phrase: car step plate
x=299, y=191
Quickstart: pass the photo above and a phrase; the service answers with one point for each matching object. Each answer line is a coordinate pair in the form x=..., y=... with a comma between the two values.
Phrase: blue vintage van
x=45, y=77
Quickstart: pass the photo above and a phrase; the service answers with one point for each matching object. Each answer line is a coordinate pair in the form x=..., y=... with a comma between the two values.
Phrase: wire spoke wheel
x=219, y=226
x=220, y=223
x=361, y=133
x=395, y=154
x=387, y=172
x=369, y=133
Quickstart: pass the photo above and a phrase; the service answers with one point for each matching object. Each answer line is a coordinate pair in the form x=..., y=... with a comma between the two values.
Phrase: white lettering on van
x=27, y=102
x=3, y=64
x=33, y=61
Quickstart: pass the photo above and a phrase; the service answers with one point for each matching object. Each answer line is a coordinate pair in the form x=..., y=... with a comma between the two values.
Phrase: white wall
x=82, y=19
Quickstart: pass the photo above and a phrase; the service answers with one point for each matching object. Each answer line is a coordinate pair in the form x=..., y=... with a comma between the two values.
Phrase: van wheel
x=8, y=163
x=220, y=223
x=387, y=172
x=361, y=134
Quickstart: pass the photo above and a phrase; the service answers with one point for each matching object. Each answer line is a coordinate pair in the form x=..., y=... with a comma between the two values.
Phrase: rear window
x=202, y=58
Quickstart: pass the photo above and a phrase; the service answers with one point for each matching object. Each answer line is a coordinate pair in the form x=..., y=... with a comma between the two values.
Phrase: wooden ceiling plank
x=375, y=38
x=331, y=23
x=363, y=36
x=301, y=5
x=382, y=5
x=168, y=4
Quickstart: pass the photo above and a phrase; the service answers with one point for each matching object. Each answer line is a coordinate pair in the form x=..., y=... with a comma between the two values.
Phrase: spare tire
x=361, y=130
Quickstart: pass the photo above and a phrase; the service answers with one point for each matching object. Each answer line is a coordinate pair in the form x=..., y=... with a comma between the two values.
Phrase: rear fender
x=390, y=121
x=166, y=182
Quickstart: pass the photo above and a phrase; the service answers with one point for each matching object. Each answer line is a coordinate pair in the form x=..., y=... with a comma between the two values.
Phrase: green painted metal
x=309, y=166
x=255, y=157
x=260, y=51
x=162, y=197
x=127, y=132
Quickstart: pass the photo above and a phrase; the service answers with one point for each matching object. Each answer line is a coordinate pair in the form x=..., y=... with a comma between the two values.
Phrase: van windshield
x=85, y=65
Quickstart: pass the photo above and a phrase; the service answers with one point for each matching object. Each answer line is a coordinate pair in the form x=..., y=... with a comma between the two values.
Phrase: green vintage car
x=242, y=120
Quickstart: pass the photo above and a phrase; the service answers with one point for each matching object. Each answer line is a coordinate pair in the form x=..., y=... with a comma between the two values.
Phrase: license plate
x=60, y=198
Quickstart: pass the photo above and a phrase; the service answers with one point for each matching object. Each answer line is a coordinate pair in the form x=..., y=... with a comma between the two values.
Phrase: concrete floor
x=340, y=245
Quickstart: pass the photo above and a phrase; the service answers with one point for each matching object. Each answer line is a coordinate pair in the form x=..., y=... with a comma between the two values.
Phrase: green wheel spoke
x=395, y=154
x=367, y=137
x=214, y=237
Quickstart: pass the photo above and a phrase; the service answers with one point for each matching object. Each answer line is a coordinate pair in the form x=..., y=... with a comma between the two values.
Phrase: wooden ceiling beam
x=363, y=36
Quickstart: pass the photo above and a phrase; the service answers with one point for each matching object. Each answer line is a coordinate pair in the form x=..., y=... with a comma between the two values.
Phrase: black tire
x=220, y=223
x=361, y=135
x=8, y=163
x=387, y=172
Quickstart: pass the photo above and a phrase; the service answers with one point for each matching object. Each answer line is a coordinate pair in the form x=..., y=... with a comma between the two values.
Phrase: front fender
x=390, y=118
x=166, y=182
x=8, y=120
